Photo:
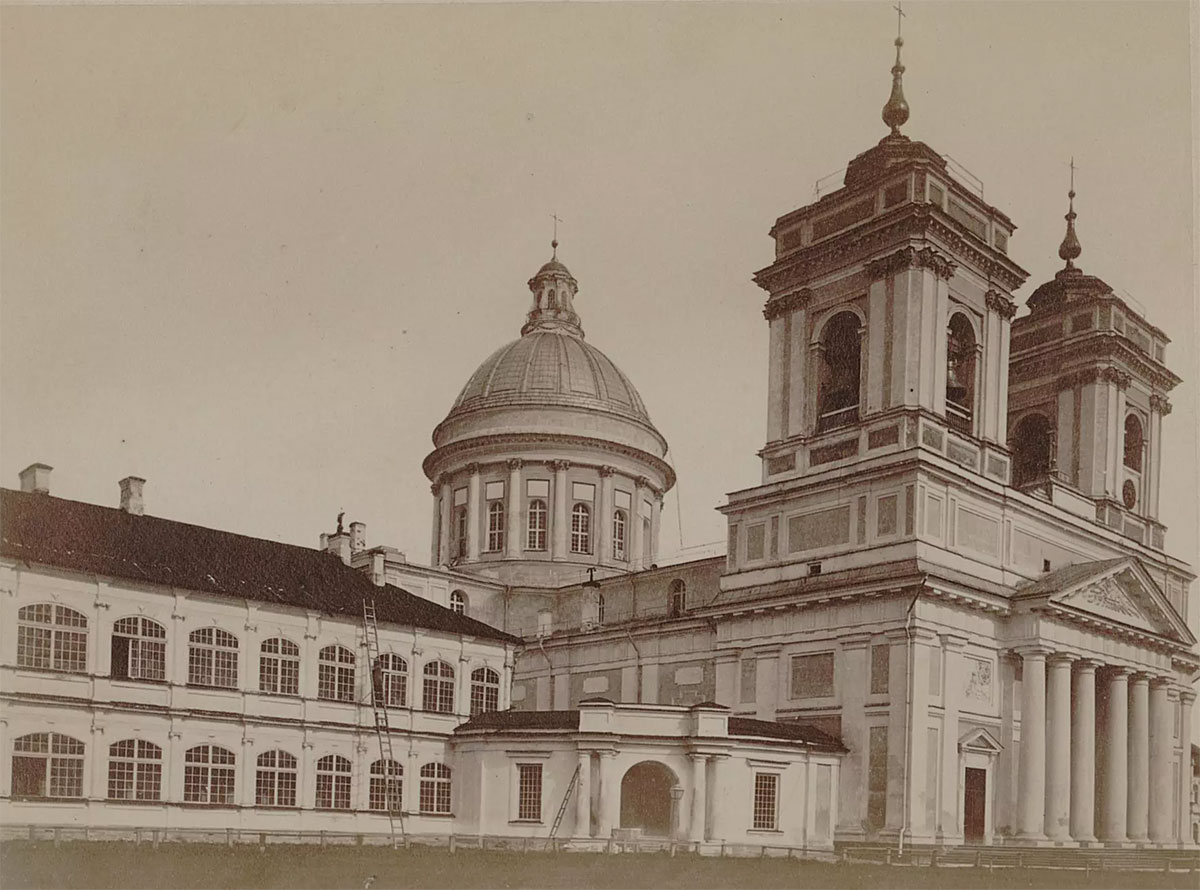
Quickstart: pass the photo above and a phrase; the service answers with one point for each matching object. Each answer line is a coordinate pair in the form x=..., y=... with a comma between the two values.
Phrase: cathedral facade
x=945, y=615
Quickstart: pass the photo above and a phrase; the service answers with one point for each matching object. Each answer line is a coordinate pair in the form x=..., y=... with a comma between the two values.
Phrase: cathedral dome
x=550, y=367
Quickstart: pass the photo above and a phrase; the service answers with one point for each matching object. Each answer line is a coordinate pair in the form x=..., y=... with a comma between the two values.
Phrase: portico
x=1105, y=710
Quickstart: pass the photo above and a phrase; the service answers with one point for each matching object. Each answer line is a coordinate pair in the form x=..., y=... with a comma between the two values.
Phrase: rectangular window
x=756, y=539
x=537, y=488
x=582, y=491
x=766, y=789
x=621, y=499
x=880, y=662
x=749, y=683
x=877, y=778
x=494, y=491
x=529, y=792
x=812, y=675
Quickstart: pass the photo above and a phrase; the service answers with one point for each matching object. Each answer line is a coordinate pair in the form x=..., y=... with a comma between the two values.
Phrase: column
x=1138, y=776
x=513, y=527
x=699, y=794
x=436, y=530
x=473, y=523
x=1058, y=748
x=1083, y=753
x=583, y=796
x=559, y=522
x=950, y=828
x=1162, y=754
x=1186, y=699
x=410, y=785
x=777, y=362
x=635, y=524
x=656, y=501
x=610, y=795
x=447, y=505
x=462, y=687
x=1116, y=787
x=797, y=394
x=1031, y=787
x=604, y=517
x=719, y=808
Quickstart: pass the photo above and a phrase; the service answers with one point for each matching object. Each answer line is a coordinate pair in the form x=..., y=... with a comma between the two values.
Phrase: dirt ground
x=118, y=865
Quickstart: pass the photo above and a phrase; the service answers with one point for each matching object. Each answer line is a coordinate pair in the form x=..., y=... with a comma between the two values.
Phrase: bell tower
x=889, y=306
x=1088, y=394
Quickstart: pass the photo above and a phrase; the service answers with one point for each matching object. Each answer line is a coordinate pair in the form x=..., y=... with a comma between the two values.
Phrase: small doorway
x=646, y=798
x=975, y=805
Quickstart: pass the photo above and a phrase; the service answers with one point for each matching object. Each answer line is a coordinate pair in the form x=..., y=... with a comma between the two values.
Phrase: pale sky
x=252, y=253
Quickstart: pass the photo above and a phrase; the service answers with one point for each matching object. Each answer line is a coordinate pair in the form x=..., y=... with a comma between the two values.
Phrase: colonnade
x=1121, y=788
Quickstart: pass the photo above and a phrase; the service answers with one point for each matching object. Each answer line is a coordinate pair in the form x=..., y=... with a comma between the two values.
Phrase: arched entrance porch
x=646, y=798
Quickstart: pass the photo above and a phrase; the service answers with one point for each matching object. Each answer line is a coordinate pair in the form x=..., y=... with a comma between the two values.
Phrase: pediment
x=1125, y=594
x=979, y=740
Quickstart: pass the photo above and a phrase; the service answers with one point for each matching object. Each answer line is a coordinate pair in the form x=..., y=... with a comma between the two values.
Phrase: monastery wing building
x=945, y=616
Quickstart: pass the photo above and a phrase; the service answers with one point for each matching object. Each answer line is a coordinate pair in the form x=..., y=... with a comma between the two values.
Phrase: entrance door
x=646, y=798
x=974, y=805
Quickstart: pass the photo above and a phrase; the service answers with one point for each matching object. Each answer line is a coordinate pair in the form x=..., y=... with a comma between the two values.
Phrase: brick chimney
x=131, y=495
x=36, y=478
x=337, y=543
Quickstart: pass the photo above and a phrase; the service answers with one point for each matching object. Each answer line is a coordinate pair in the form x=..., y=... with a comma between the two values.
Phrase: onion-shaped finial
x=1070, y=249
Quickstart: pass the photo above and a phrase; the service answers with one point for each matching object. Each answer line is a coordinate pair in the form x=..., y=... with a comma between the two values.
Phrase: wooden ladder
x=391, y=782
x=562, y=808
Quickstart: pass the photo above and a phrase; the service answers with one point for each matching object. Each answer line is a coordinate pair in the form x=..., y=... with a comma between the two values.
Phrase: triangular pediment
x=979, y=739
x=1122, y=592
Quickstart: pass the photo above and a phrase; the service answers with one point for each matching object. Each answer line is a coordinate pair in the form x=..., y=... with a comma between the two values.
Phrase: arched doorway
x=646, y=798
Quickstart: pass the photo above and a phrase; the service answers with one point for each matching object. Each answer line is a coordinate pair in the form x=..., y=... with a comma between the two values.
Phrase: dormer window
x=838, y=390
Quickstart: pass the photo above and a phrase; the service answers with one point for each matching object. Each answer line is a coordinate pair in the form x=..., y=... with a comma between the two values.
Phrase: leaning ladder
x=562, y=808
x=383, y=733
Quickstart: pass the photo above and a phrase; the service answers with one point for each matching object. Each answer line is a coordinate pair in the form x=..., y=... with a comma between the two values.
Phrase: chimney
x=378, y=577
x=358, y=537
x=131, y=495
x=36, y=478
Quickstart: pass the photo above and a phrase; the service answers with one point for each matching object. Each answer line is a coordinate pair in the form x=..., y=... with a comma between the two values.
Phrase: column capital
x=641, y=482
x=1119, y=672
x=1160, y=681
x=436, y=489
x=1088, y=665
x=1061, y=659
x=514, y=463
x=472, y=468
x=1034, y=652
x=1187, y=696
x=559, y=466
x=443, y=479
x=696, y=756
x=1140, y=677
x=606, y=470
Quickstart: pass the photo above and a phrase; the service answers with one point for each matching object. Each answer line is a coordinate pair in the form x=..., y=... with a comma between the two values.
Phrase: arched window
x=458, y=602
x=333, y=783
x=1134, y=440
x=678, y=597
x=212, y=658
x=387, y=785
x=599, y=608
x=837, y=392
x=47, y=764
x=51, y=637
x=1031, y=443
x=390, y=680
x=960, y=373
x=275, y=783
x=619, y=524
x=435, y=788
x=438, y=691
x=647, y=541
x=460, y=532
x=537, y=525
x=485, y=691
x=581, y=525
x=139, y=650
x=208, y=775
x=279, y=667
x=496, y=526
x=134, y=770
x=335, y=674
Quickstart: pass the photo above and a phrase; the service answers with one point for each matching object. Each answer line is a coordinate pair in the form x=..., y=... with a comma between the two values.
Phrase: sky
x=252, y=253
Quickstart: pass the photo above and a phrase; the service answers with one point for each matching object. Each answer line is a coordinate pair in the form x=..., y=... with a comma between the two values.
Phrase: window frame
x=210, y=660
x=530, y=785
x=284, y=673
x=495, y=516
x=142, y=652
x=458, y=602
x=59, y=643
x=764, y=804
x=63, y=763
x=276, y=783
x=334, y=786
x=435, y=789
x=381, y=777
x=126, y=771
x=485, y=690
x=336, y=674
x=442, y=683
x=620, y=526
x=200, y=776
x=581, y=528
x=387, y=678
x=537, y=525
